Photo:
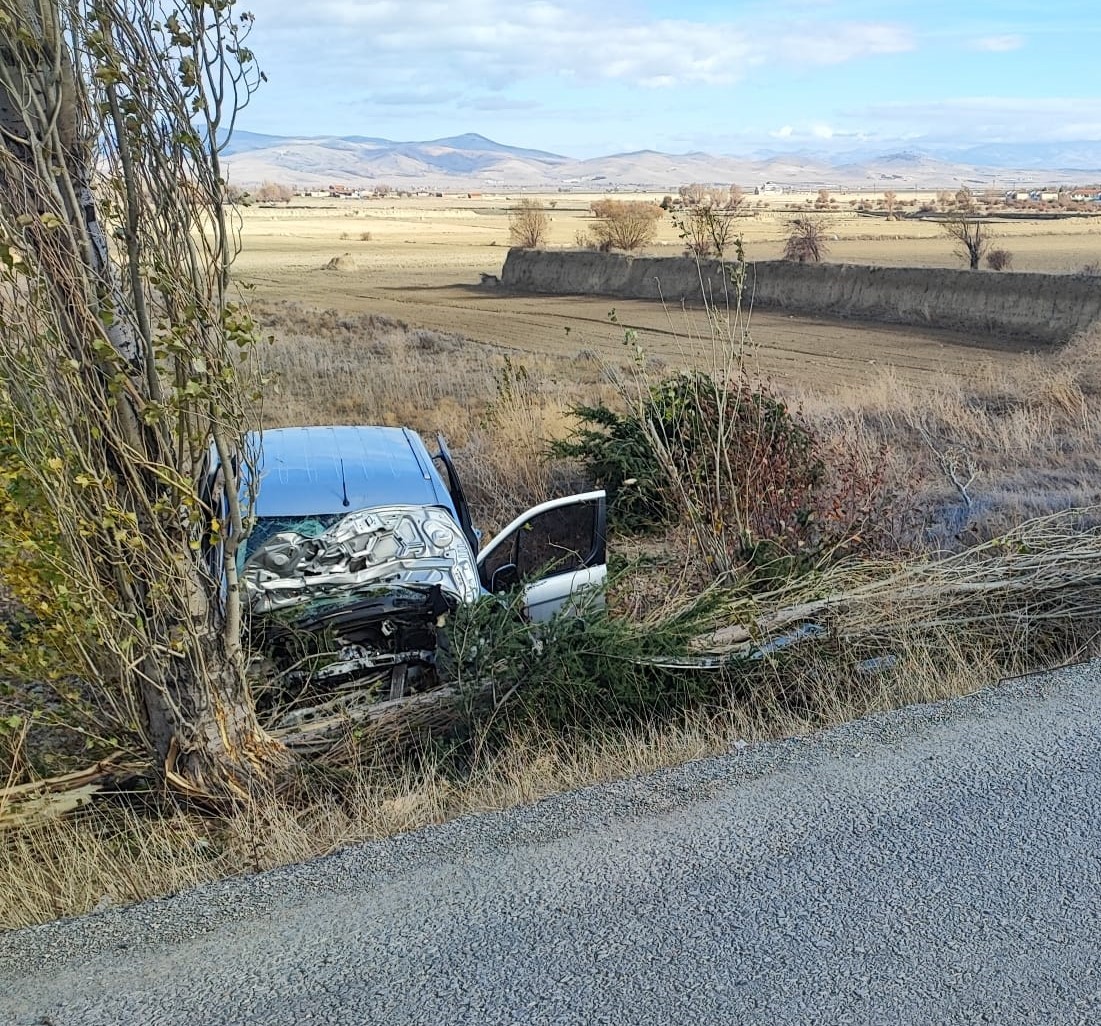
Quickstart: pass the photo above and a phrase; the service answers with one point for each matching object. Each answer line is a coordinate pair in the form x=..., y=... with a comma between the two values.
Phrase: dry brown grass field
x=407, y=335
x=418, y=259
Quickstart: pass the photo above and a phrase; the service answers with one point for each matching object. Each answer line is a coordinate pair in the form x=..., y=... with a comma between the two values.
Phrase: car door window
x=555, y=541
x=558, y=541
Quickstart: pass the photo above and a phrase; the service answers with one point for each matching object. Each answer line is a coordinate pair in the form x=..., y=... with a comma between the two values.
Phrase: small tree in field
x=890, y=204
x=625, y=224
x=705, y=231
x=999, y=260
x=693, y=230
x=274, y=192
x=120, y=387
x=694, y=194
x=806, y=240
x=971, y=236
x=528, y=224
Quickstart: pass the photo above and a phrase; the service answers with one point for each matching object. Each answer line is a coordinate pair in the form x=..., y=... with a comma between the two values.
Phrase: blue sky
x=586, y=77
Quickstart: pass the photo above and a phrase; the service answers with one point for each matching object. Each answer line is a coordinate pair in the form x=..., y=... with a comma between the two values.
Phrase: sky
x=588, y=78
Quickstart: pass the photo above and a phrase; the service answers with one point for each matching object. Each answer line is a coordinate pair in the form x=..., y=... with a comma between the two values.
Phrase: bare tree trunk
x=207, y=737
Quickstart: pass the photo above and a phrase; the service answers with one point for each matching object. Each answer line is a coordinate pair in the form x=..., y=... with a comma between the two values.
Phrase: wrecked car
x=363, y=544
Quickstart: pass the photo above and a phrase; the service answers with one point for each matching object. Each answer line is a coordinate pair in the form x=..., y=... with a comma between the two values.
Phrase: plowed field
x=420, y=259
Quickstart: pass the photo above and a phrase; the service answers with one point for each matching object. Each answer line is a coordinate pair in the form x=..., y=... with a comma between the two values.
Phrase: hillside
x=471, y=161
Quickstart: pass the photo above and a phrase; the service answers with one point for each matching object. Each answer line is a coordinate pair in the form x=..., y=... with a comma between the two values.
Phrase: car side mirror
x=505, y=578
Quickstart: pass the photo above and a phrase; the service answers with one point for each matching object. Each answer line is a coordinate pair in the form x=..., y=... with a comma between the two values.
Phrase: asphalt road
x=940, y=865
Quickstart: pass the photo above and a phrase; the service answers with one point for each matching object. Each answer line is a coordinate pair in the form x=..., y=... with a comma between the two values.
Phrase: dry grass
x=118, y=855
x=497, y=409
x=1030, y=432
x=1028, y=429
x=1016, y=443
x=426, y=257
x=331, y=368
x=460, y=230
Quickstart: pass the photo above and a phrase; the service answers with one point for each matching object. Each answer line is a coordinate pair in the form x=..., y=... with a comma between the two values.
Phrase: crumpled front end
x=357, y=605
x=412, y=546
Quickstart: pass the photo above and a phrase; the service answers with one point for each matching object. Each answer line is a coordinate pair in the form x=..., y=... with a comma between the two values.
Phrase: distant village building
x=768, y=188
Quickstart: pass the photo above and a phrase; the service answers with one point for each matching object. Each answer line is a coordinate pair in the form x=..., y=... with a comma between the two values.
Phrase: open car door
x=458, y=496
x=556, y=552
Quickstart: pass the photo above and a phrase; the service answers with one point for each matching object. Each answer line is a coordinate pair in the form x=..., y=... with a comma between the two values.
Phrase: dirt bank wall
x=1047, y=308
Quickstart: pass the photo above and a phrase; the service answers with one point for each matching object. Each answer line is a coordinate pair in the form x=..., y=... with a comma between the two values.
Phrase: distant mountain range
x=472, y=161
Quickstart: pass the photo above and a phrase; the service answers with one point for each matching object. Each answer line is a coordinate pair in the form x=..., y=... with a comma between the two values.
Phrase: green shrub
x=619, y=455
x=575, y=671
x=734, y=462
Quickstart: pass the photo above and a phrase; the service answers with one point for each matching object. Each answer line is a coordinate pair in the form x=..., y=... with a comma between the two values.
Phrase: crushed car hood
x=418, y=547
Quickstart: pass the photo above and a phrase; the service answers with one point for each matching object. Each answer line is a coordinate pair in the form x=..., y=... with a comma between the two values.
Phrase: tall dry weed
x=1027, y=438
x=496, y=411
x=328, y=368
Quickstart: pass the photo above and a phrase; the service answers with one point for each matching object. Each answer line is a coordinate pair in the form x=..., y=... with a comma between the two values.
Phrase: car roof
x=308, y=471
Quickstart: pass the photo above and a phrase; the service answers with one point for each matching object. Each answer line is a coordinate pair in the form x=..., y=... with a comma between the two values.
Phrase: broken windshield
x=306, y=527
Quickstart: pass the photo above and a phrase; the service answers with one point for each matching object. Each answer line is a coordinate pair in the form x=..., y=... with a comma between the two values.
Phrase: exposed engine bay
x=354, y=605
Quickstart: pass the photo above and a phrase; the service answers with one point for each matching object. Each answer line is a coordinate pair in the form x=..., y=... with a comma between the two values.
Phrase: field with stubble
x=406, y=333
x=420, y=260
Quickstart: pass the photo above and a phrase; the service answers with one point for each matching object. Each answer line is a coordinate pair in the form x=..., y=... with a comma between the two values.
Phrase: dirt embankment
x=1047, y=308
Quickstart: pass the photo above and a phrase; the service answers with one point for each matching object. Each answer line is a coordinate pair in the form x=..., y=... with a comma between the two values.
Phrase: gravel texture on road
x=940, y=864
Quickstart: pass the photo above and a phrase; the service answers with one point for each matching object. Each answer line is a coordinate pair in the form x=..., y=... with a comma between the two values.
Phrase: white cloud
x=841, y=42
x=414, y=97
x=998, y=44
x=816, y=133
x=495, y=43
x=497, y=103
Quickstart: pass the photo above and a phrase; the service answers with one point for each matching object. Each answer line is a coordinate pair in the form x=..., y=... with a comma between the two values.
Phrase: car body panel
x=573, y=593
x=366, y=550
x=458, y=495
